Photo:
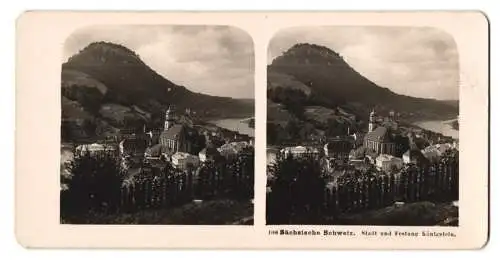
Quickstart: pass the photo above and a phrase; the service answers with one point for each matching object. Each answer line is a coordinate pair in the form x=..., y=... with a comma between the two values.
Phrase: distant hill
x=453, y=103
x=335, y=83
x=109, y=82
x=313, y=85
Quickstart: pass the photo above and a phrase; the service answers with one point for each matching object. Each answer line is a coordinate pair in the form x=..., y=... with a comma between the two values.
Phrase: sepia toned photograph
x=362, y=126
x=252, y=130
x=157, y=125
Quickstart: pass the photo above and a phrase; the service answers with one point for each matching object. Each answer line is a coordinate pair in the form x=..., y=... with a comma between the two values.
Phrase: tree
x=394, y=169
x=306, y=131
x=198, y=142
x=89, y=126
x=335, y=128
x=66, y=133
x=402, y=144
x=94, y=184
x=297, y=192
x=133, y=122
x=246, y=161
x=276, y=133
x=293, y=99
x=293, y=128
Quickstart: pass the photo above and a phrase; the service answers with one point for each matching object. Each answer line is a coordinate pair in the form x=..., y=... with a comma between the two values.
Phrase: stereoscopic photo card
x=252, y=130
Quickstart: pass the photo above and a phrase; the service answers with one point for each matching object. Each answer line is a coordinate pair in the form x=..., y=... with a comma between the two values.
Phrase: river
x=442, y=127
x=239, y=125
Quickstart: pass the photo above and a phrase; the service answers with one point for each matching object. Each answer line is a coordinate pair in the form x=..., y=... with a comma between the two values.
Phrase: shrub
x=94, y=184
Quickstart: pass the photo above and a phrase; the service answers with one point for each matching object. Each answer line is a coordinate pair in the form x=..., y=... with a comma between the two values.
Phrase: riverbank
x=442, y=127
x=453, y=123
x=239, y=125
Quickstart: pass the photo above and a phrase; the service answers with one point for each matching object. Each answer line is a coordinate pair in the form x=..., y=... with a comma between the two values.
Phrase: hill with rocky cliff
x=313, y=87
x=107, y=86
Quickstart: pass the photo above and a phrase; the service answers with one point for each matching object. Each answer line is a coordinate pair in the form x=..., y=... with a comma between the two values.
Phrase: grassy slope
x=73, y=77
x=217, y=212
x=412, y=214
x=276, y=79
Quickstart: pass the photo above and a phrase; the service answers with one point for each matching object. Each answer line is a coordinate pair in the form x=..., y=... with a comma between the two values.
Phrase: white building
x=232, y=149
x=385, y=162
x=95, y=149
x=338, y=148
x=208, y=153
x=434, y=152
x=181, y=160
x=133, y=146
x=271, y=156
x=414, y=156
x=431, y=154
x=228, y=151
x=298, y=151
x=442, y=148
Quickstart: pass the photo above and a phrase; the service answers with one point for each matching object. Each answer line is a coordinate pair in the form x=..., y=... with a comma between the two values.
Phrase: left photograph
x=157, y=125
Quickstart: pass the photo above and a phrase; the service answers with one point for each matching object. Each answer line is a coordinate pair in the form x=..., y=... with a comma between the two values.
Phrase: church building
x=379, y=138
x=175, y=135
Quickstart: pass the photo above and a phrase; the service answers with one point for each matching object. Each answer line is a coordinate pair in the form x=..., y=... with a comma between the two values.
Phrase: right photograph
x=363, y=126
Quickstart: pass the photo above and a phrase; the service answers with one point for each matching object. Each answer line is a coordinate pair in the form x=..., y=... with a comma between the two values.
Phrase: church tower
x=169, y=117
x=371, y=123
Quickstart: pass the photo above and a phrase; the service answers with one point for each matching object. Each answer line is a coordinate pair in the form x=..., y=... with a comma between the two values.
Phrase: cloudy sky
x=215, y=60
x=420, y=62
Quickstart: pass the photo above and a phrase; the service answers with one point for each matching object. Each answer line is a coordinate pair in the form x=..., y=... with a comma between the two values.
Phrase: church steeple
x=371, y=123
x=170, y=117
x=392, y=116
